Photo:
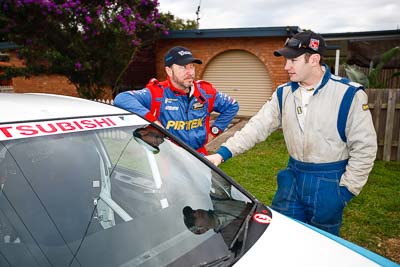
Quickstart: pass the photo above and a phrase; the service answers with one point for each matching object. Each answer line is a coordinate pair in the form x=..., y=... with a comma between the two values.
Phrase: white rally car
x=89, y=184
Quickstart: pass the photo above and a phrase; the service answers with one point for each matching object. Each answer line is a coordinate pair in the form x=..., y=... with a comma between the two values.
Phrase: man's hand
x=210, y=138
x=216, y=159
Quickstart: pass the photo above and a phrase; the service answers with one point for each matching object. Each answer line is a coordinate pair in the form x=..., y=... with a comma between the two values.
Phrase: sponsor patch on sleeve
x=365, y=107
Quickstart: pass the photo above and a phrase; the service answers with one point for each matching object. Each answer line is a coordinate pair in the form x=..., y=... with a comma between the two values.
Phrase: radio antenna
x=197, y=15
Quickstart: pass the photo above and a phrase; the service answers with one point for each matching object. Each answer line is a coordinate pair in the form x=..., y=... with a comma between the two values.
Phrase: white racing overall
x=332, y=149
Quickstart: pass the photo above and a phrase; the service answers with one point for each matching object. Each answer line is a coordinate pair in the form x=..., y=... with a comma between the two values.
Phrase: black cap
x=180, y=55
x=302, y=42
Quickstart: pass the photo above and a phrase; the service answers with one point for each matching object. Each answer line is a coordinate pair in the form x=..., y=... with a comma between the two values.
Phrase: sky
x=322, y=16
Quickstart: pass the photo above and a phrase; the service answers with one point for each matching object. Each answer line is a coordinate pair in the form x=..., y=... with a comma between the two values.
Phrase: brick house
x=237, y=61
x=250, y=72
x=53, y=84
x=240, y=61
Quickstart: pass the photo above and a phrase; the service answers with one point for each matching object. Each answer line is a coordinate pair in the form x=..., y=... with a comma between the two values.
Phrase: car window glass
x=66, y=199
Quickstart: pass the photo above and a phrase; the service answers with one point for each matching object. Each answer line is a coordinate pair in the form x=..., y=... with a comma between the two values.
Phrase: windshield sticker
x=24, y=130
x=262, y=218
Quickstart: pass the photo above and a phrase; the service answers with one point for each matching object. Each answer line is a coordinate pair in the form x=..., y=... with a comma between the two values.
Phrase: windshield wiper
x=216, y=261
x=244, y=227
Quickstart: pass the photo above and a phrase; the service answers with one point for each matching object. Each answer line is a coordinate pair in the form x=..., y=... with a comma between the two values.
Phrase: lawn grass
x=370, y=220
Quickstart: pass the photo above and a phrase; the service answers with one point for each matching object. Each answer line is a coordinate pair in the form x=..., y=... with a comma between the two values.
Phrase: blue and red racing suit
x=187, y=117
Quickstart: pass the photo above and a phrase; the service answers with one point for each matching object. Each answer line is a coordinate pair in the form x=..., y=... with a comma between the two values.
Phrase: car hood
x=287, y=242
x=29, y=107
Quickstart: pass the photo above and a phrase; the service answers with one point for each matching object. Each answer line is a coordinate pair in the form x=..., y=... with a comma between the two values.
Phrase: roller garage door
x=243, y=76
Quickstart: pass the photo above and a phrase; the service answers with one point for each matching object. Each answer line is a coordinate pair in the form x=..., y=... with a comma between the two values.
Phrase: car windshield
x=120, y=196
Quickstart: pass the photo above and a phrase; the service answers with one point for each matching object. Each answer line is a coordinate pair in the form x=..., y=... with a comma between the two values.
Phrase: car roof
x=28, y=107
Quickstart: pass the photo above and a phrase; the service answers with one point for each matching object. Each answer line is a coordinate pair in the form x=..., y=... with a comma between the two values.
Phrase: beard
x=184, y=83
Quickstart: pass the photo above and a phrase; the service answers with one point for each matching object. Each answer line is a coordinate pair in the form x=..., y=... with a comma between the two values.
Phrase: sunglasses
x=294, y=43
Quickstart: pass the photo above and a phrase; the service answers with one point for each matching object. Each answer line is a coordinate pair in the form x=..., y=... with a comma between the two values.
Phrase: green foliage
x=371, y=80
x=89, y=42
x=256, y=169
x=374, y=216
x=92, y=43
x=174, y=23
x=356, y=75
x=370, y=219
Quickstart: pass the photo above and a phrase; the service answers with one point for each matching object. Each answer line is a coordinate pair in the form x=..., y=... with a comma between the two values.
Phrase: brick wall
x=206, y=49
x=53, y=84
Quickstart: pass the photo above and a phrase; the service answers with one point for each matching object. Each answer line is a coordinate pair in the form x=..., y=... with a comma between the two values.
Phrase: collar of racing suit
x=324, y=80
x=194, y=91
x=174, y=89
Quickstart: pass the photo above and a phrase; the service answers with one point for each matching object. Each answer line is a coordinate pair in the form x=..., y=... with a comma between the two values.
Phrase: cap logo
x=183, y=52
x=314, y=44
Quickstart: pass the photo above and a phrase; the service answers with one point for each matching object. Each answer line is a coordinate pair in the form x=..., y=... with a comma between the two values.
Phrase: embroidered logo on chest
x=171, y=108
x=170, y=100
x=197, y=106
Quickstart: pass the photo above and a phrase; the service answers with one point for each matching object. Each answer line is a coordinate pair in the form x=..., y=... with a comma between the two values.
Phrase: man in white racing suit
x=328, y=131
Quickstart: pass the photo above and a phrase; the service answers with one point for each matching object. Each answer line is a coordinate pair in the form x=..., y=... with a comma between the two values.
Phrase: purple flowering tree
x=89, y=41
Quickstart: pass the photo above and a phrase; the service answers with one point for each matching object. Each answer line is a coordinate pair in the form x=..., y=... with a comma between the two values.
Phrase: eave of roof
x=233, y=32
x=367, y=35
x=276, y=32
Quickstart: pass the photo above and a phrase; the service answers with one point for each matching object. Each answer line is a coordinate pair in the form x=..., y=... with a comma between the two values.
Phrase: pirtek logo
x=184, y=125
x=182, y=53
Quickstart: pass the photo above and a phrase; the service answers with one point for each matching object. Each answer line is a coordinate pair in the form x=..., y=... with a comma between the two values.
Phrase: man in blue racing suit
x=180, y=104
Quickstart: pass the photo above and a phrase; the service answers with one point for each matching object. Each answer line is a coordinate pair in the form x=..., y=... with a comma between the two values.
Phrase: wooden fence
x=385, y=108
